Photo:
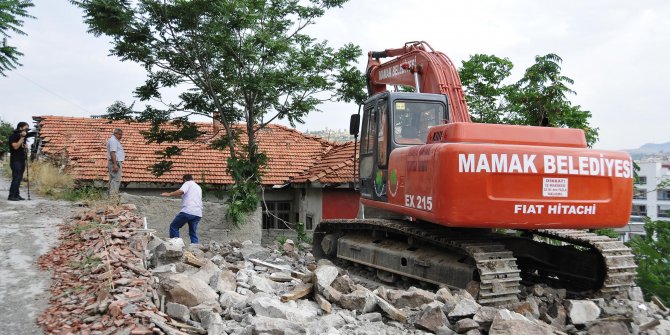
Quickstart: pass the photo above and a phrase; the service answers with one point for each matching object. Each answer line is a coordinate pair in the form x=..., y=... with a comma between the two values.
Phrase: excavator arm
x=418, y=65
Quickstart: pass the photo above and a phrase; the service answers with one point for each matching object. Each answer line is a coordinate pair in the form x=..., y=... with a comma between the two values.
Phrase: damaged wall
x=214, y=226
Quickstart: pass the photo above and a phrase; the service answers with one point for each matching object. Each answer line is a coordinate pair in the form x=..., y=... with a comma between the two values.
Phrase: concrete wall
x=311, y=203
x=161, y=211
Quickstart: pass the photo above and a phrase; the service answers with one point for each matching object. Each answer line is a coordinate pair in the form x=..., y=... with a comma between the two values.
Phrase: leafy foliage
x=302, y=235
x=609, y=232
x=82, y=193
x=6, y=129
x=12, y=13
x=652, y=254
x=234, y=61
x=482, y=77
x=243, y=195
x=540, y=97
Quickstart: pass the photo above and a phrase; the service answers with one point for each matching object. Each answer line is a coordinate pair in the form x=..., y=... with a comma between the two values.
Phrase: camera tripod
x=27, y=161
x=28, y=175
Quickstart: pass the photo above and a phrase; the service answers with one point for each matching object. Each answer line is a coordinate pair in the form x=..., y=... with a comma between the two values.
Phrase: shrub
x=652, y=253
x=48, y=179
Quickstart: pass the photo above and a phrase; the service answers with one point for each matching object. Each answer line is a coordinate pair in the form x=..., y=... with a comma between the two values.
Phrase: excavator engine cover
x=502, y=176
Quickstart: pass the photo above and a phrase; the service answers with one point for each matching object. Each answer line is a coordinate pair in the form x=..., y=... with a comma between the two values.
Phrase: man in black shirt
x=17, y=159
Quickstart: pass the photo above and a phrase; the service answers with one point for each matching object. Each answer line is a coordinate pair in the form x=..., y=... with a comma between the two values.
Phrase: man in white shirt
x=115, y=158
x=191, y=208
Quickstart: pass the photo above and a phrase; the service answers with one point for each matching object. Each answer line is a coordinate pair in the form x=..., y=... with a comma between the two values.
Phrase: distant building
x=651, y=197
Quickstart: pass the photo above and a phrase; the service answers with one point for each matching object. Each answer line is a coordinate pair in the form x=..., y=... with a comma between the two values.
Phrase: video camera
x=31, y=134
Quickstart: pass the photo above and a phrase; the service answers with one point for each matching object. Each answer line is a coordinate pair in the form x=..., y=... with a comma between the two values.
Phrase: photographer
x=17, y=158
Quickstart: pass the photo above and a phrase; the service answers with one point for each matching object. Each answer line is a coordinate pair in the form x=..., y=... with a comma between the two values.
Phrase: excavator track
x=582, y=262
x=491, y=265
x=619, y=261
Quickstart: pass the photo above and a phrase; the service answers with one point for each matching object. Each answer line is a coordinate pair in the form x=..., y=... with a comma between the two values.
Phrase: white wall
x=310, y=204
x=655, y=173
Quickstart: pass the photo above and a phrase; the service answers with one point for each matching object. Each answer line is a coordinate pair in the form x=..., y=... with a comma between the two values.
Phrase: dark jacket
x=16, y=155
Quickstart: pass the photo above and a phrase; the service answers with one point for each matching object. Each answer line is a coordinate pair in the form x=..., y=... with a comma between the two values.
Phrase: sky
x=616, y=52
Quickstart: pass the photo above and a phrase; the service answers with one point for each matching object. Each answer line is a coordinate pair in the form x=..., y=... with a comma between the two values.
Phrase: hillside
x=660, y=150
x=334, y=135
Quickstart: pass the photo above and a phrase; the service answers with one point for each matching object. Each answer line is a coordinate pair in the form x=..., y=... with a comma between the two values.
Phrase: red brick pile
x=99, y=283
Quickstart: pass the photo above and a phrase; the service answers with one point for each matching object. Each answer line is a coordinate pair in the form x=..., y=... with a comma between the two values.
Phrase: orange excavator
x=485, y=207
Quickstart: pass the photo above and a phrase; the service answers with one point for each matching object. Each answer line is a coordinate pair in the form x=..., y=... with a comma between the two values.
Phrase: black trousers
x=17, y=174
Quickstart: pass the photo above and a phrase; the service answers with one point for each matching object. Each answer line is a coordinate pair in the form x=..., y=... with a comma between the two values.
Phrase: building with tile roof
x=305, y=177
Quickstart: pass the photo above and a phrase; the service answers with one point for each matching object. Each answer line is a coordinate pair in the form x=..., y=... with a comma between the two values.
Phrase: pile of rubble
x=100, y=283
x=241, y=288
x=113, y=277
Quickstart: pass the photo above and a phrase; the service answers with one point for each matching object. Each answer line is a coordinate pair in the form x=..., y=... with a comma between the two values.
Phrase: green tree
x=12, y=13
x=244, y=63
x=539, y=97
x=652, y=253
x=6, y=129
x=482, y=77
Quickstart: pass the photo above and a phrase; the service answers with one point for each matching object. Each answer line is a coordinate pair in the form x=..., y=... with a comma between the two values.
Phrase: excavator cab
x=393, y=120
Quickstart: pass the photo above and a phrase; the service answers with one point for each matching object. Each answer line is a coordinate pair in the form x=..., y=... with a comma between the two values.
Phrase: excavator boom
x=418, y=65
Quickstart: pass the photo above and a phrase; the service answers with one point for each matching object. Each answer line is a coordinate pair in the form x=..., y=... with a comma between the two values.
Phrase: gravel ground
x=28, y=229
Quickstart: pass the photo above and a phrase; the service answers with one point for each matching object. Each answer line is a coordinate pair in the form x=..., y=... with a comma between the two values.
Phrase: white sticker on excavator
x=555, y=187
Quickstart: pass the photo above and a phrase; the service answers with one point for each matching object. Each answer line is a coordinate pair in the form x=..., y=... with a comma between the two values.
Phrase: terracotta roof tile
x=336, y=166
x=290, y=153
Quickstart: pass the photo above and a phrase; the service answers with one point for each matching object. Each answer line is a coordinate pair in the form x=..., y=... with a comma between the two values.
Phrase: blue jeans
x=180, y=220
x=17, y=174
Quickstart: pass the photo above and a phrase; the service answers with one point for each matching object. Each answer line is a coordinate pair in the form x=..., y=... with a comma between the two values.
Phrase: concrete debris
x=582, y=311
x=609, y=328
x=507, y=322
x=635, y=294
x=465, y=308
x=485, y=315
x=392, y=312
x=261, y=284
x=412, y=298
x=271, y=307
x=116, y=278
x=325, y=275
x=232, y=299
x=178, y=311
x=331, y=294
x=223, y=281
x=168, y=252
x=431, y=317
x=187, y=290
x=298, y=292
x=443, y=294
x=370, y=317
x=465, y=325
x=344, y=284
x=274, y=326
x=324, y=304
x=445, y=331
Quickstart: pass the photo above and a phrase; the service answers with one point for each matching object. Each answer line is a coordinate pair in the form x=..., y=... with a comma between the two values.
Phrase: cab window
x=382, y=145
x=412, y=120
x=369, y=137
